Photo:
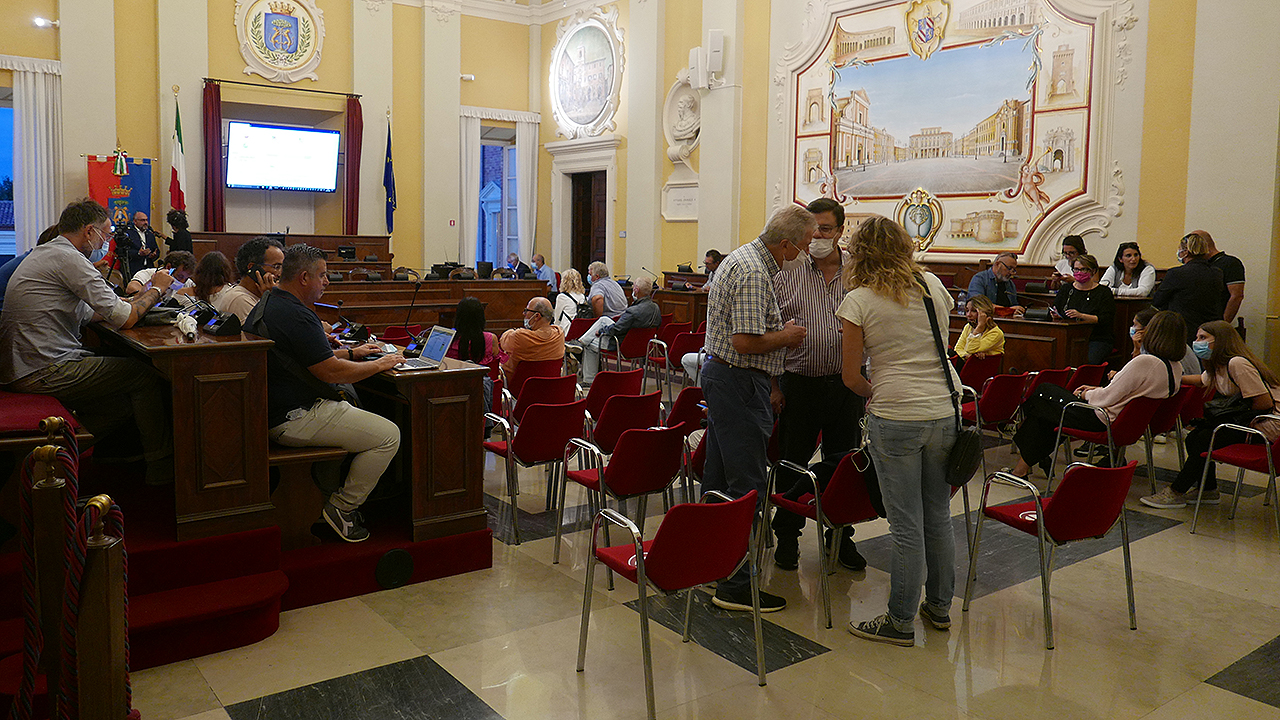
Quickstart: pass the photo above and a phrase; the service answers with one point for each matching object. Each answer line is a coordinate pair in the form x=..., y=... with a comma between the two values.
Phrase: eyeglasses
x=828, y=229
x=274, y=266
x=535, y=312
x=1011, y=269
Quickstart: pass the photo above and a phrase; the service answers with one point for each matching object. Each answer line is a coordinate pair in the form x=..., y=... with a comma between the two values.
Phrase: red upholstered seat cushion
x=587, y=478
x=803, y=507
x=498, y=447
x=1021, y=516
x=968, y=412
x=1249, y=457
x=622, y=559
x=21, y=413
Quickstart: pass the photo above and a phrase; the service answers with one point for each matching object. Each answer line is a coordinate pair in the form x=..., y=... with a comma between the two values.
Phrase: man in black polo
x=304, y=406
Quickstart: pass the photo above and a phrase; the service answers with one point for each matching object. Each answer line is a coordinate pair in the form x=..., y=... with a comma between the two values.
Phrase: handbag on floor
x=966, y=454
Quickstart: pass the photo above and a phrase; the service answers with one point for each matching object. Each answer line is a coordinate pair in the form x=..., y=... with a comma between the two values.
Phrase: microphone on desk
x=409, y=313
x=654, y=274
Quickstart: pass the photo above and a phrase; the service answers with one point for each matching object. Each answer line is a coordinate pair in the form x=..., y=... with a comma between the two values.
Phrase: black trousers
x=813, y=405
x=1041, y=415
x=1197, y=441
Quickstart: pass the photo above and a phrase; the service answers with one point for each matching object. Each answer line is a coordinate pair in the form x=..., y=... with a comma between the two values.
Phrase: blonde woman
x=981, y=336
x=911, y=424
x=572, y=294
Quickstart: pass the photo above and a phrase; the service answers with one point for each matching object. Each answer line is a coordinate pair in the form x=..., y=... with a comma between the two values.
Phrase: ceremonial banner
x=178, y=161
x=121, y=195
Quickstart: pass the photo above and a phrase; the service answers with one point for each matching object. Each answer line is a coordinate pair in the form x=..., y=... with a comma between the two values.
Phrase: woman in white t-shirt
x=911, y=424
x=213, y=277
x=1130, y=275
x=572, y=294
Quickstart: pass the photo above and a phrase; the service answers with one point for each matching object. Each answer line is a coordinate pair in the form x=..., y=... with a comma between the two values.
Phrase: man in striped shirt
x=747, y=341
x=810, y=397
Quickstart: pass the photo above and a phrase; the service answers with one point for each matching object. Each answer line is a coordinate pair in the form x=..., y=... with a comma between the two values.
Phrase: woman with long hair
x=1085, y=301
x=181, y=238
x=474, y=344
x=213, y=276
x=981, y=336
x=911, y=424
x=1233, y=370
x=572, y=294
x=1129, y=275
x=1154, y=374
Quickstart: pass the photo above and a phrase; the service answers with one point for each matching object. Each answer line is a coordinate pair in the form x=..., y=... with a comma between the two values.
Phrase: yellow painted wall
x=497, y=53
x=683, y=30
x=138, y=94
x=226, y=63
x=19, y=37
x=406, y=132
x=1166, y=129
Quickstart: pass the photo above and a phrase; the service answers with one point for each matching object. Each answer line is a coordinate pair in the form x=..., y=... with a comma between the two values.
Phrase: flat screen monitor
x=275, y=157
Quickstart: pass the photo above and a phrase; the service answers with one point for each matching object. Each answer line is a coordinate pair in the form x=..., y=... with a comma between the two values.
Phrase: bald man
x=539, y=339
x=605, y=333
x=139, y=244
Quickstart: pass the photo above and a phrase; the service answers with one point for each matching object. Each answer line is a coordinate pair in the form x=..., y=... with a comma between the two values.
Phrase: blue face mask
x=1202, y=349
x=98, y=254
x=1132, y=331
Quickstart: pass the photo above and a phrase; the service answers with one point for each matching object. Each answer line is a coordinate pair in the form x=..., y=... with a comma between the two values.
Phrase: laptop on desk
x=434, y=347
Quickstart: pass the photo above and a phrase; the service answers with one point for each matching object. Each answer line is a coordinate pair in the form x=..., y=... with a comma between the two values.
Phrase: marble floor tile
x=1206, y=702
x=219, y=714
x=313, y=644
x=416, y=689
x=172, y=691
x=1255, y=676
x=731, y=635
x=518, y=592
x=531, y=673
x=748, y=700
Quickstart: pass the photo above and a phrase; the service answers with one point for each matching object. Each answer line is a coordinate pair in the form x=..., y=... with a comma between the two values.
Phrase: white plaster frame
x=255, y=64
x=576, y=156
x=607, y=22
x=1092, y=212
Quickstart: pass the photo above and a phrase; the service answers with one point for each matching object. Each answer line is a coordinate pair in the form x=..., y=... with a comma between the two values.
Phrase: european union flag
x=389, y=183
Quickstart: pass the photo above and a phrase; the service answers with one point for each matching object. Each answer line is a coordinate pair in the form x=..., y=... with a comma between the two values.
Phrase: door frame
x=576, y=156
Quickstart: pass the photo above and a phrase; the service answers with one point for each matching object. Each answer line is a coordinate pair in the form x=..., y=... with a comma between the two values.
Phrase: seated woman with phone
x=981, y=336
x=1086, y=301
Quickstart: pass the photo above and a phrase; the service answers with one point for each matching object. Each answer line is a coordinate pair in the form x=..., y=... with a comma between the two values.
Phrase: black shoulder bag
x=1236, y=409
x=966, y=455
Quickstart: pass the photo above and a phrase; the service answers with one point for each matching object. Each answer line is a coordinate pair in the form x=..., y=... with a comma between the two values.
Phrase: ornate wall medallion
x=280, y=39
x=586, y=73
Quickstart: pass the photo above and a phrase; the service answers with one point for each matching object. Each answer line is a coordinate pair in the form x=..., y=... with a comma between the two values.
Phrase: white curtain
x=37, y=145
x=470, y=190
x=527, y=185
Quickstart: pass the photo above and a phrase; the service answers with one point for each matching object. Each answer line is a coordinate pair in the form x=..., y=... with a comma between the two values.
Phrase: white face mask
x=798, y=261
x=528, y=324
x=821, y=247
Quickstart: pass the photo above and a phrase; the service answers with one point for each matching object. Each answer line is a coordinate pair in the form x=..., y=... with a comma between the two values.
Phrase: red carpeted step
x=160, y=565
x=10, y=637
x=10, y=676
x=10, y=585
x=197, y=620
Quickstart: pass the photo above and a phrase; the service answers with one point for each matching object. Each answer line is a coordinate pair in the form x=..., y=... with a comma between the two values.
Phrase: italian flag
x=178, y=168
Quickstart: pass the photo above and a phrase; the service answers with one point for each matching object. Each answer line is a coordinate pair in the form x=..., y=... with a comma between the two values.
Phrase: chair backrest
x=1055, y=376
x=845, y=500
x=667, y=333
x=700, y=543
x=645, y=460
x=698, y=460
x=1133, y=420
x=686, y=410
x=544, y=391
x=548, y=428
x=625, y=412
x=1165, y=418
x=1001, y=397
x=1090, y=375
x=398, y=334
x=577, y=326
x=683, y=344
x=664, y=319
x=702, y=327
x=533, y=368
x=977, y=370
x=635, y=343
x=609, y=383
x=1088, y=502
x=1193, y=408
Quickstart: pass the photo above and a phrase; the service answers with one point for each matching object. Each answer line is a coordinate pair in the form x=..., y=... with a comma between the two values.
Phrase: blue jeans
x=910, y=459
x=739, y=422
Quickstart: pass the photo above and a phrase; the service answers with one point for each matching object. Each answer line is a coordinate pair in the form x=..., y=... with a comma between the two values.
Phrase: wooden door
x=587, y=235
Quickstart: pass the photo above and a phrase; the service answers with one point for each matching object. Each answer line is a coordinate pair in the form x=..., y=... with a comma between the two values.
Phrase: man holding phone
x=258, y=263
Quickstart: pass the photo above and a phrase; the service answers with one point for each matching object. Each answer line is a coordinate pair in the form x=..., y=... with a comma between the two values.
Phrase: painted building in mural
x=1000, y=14
x=930, y=142
x=999, y=134
x=1062, y=79
x=854, y=137
x=849, y=44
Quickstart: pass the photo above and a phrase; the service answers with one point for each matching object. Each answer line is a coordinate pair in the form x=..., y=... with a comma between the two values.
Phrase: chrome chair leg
x=643, y=602
x=754, y=572
x=555, y=552
x=1204, y=474
x=513, y=489
x=825, y=568
x=1235, y=500
x=1044, y=591
x=1128, y=571
x=1151, y=466
x=688, y=613
x=586, y=607
x=973, y=562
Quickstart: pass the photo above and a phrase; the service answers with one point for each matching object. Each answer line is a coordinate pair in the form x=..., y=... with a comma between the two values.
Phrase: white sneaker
x=1166, y=499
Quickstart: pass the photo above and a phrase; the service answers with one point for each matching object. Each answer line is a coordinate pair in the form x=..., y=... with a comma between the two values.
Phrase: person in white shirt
x=1130, y=275
x=572, y=294
x=179, y=264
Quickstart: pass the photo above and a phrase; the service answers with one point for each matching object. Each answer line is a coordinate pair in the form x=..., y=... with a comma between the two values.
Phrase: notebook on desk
x=434, y=347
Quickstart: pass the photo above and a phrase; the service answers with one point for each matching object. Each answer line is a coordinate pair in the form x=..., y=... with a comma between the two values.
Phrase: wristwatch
x=351, y=354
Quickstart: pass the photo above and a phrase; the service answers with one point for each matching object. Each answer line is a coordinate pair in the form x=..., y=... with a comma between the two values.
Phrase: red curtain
x=351, y=170
x=215, y=207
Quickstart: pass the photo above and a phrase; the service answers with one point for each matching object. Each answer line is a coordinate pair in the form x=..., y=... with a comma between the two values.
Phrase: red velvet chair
x=537, y=441
x=577, y=326
x=541, y=391
x=525, y=370
x=643, y=461
x=842, y=503
x=609, y=383
x=1086, y=505
x=20, y=416
x=1057, y=376
x=665, y=355
x=622, y=413
x=695, y=545
x=999, y=402
x=702, y=327
x=977, y=370
x=1167, y=417
x=1126, y=430
x=397, y=335
x=1090, y=375
x=1258, y=457
x=688, y=412
x=631, y=347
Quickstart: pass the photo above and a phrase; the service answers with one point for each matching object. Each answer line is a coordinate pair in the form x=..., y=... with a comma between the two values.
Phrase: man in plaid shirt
x=747, y=342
